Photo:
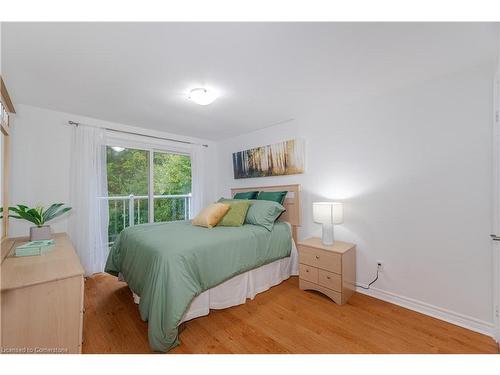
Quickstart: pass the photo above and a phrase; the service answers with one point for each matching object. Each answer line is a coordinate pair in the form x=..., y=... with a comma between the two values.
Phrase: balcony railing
x=129, y=210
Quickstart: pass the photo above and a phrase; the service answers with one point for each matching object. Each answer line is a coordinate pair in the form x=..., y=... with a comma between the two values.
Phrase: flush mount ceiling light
x=202, y=96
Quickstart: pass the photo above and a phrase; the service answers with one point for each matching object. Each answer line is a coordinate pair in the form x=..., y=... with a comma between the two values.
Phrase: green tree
x=128, y=173
x=172, y=174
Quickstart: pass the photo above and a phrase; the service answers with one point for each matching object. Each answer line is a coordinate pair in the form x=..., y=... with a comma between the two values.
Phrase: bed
x=179, y=271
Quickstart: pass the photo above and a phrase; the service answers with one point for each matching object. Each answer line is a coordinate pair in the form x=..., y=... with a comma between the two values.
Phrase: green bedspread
x=168, y=264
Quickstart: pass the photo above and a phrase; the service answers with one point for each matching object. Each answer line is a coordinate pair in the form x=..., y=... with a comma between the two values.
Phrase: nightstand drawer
x=319, y=258
x=308, y=273
x=330, y=280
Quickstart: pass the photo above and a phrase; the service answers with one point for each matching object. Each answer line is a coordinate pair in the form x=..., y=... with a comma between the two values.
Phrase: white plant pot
x=40, y=233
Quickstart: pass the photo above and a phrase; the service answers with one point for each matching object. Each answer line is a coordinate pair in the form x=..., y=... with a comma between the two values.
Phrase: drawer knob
x=317, y=256
x=307, y=270
x=328, y=277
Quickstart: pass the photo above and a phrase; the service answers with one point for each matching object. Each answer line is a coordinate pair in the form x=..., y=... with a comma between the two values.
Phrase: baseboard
x=452, y=317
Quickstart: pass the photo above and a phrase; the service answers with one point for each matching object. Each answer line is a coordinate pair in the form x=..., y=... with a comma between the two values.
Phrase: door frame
x=496, y=204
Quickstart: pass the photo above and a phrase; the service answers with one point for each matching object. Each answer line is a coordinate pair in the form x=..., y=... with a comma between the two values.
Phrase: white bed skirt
x=236, y=290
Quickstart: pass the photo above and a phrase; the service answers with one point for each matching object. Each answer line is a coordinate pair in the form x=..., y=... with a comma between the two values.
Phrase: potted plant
x=38, y=216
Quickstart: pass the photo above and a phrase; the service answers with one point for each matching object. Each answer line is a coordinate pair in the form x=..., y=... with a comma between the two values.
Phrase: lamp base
x=327, y=235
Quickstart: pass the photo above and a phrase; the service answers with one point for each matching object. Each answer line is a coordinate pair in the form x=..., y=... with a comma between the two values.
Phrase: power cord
x=376, y=278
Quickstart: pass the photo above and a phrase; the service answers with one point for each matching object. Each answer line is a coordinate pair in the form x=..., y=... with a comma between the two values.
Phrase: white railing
x=132, y=204
x=132, y=198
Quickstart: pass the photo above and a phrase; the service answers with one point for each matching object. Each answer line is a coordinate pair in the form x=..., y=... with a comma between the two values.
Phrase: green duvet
x=168, y=264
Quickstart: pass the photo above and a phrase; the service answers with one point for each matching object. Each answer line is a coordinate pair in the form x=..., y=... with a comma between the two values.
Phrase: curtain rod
x=139, y=134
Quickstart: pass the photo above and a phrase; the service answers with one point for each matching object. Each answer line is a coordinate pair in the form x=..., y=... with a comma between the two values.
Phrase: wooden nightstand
x=329, y=269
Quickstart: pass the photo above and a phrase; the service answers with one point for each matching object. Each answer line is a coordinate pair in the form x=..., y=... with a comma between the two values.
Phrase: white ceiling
x=139, y=73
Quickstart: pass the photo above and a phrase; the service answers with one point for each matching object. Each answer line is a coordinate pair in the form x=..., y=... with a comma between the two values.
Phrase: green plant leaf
x=59, y=213
x=26, y=216
x=16, y=210
x=47, y=215
x=35, y=214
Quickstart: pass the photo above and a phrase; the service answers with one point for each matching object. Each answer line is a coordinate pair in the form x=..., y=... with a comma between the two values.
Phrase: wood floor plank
x=284, y=319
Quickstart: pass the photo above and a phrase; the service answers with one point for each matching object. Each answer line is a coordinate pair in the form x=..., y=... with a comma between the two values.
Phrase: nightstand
x=329, y=269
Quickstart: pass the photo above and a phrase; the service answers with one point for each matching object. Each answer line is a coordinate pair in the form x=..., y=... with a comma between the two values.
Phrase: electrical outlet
x=380, y=265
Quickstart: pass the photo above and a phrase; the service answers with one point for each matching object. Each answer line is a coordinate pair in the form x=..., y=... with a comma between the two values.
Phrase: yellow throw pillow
x=211, y=215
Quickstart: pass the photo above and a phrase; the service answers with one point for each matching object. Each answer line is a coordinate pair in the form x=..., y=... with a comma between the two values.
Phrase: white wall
x=40, y=160
x=414, y=170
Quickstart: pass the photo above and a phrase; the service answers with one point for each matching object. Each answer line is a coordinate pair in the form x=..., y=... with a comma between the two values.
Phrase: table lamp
x=328, y=214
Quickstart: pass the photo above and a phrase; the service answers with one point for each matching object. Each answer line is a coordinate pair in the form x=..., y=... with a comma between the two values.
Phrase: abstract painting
x=272, y=160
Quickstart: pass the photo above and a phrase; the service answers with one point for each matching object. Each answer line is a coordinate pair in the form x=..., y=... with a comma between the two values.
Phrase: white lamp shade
x=328, y=212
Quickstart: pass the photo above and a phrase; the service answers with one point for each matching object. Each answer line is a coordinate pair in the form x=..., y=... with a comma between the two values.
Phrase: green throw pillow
x=246, y=195
x=236, y=215
x=274, y=196
x=263, y=213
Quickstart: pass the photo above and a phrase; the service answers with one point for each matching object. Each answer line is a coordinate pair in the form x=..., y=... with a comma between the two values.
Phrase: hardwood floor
x=281, y=320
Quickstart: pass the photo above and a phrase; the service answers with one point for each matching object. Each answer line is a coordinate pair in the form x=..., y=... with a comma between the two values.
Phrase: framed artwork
x=278, y=159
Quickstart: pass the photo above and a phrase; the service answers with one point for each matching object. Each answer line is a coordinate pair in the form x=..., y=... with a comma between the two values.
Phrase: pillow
x=263, y=213
x=236, y=215
x=211, y=215
x=274, y=196
x=246, y=195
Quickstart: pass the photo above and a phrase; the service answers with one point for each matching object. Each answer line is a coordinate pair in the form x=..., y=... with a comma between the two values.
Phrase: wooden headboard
x=291, y=203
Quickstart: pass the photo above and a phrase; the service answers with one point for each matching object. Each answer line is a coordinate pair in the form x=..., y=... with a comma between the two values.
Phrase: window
x=172, y=186
x=146, y=186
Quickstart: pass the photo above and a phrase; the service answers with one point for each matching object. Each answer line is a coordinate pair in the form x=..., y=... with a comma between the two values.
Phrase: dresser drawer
x=320, y=258
x=330, y=280
x=308, y=273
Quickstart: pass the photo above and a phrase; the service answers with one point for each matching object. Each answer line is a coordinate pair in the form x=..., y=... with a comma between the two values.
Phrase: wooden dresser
x=42, y=300
x=330, y=270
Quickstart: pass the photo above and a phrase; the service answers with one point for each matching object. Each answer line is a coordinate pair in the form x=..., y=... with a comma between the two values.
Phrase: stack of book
x=34, y=248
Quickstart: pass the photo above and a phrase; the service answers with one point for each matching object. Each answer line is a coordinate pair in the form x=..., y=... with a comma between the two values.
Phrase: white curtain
x=198, y=199
x=88, y=226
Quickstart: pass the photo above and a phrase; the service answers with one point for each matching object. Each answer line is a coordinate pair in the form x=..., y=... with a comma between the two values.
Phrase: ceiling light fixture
x=202, y=96
x=118, y=149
